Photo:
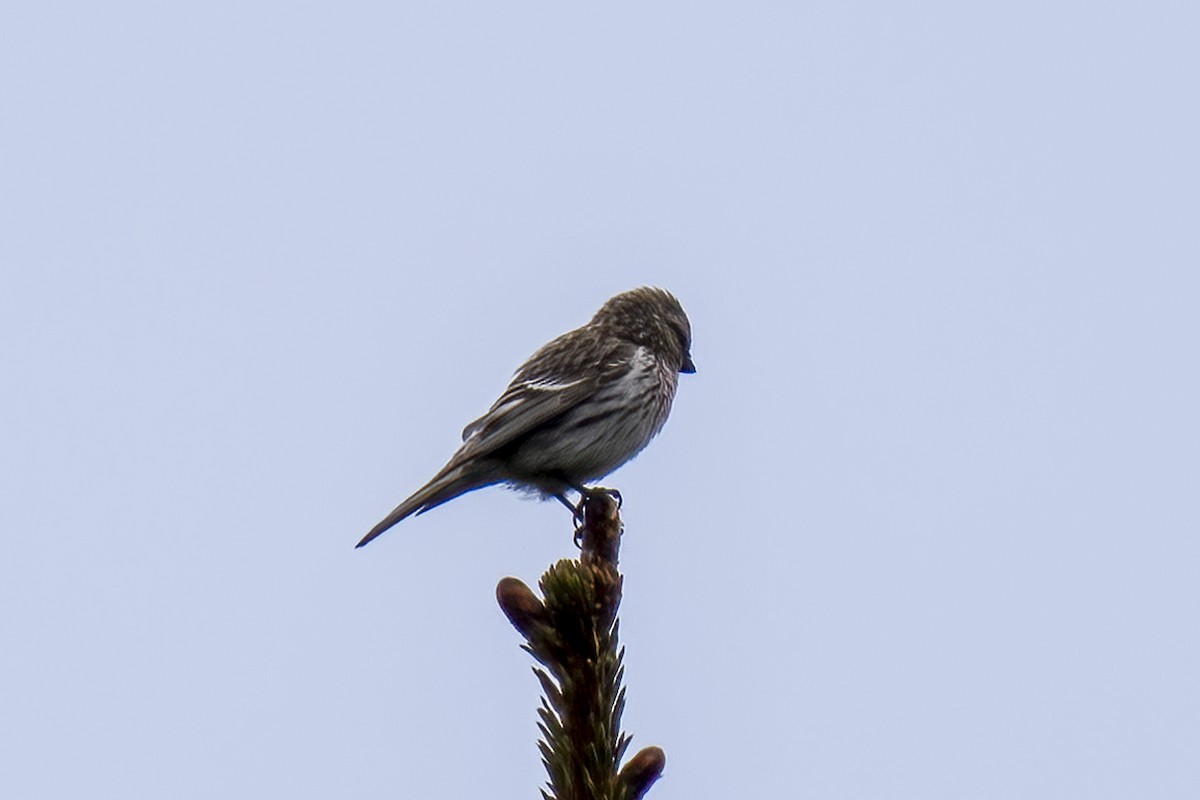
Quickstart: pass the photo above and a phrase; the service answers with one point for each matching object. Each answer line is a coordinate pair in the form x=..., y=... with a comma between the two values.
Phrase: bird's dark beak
x=688, y=367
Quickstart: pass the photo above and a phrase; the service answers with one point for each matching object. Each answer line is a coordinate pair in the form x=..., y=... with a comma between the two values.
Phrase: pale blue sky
x=924, y=524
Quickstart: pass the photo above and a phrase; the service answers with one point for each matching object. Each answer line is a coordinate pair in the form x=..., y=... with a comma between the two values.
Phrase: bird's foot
x=586, y=491
x=577, y=509
x=577, y=514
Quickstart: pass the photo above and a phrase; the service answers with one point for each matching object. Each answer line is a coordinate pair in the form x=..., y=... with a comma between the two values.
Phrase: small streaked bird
x=580, y=407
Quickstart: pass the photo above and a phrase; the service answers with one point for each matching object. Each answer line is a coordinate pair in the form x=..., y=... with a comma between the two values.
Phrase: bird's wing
x=552, y=382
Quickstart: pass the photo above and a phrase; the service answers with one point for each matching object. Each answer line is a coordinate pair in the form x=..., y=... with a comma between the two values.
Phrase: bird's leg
x=576, y=515
x=562, y=498
x=577, y=510
x=583, y=496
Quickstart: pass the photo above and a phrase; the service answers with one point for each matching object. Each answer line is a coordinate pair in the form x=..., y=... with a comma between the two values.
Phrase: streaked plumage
x=580, y=407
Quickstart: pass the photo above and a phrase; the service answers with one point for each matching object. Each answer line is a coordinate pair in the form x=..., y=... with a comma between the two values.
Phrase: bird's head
x=652, y=318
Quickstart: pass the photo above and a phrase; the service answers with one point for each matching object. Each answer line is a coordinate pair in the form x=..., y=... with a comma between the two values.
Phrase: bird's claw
x=578, y=510
x=577, y=518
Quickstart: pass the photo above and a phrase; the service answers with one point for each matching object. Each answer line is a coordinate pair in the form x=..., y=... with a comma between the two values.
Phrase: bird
x=580, y=407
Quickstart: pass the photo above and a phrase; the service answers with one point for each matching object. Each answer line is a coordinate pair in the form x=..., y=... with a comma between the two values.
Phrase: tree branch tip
x=600, y=536
x=641, y=771
x=522, y=607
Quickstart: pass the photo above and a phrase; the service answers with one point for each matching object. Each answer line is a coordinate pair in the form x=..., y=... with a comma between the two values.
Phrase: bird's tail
x=444, y=487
